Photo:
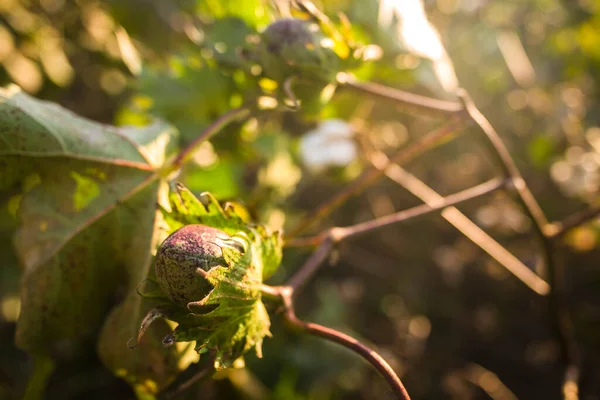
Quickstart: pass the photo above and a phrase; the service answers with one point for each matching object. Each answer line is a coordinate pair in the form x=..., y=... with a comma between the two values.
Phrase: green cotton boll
x=179, y=257
x=210, y=272
x=296, y=48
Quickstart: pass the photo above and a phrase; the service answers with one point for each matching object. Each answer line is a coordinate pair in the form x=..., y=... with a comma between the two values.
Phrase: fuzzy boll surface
x=181, y=254
x=285, y=32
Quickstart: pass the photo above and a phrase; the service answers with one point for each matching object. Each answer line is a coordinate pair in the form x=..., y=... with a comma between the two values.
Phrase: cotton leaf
x=82, y=198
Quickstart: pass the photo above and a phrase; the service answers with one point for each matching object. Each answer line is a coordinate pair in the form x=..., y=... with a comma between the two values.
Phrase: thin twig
x=461, y=222
x=335, y=235
x=347, y=341
x=508, y=165
x=405, y=100
x=558, y=229
x=311, y=265
x=210, y=131
x=469, y=194
x=560, y=318
x=427, y=142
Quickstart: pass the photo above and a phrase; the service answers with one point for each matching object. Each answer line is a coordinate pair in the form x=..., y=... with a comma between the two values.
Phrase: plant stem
x=230, y=116
x=405, y=100
x=560, y=320
x=558, y=229
x=42, y=371
x=467, y=227
x=347, y=341
x=508, y=165
x=453, y=199
x=335, y=235
x=308, y=269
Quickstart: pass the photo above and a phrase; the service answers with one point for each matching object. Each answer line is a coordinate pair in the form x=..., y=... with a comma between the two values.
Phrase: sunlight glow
x=419, y=36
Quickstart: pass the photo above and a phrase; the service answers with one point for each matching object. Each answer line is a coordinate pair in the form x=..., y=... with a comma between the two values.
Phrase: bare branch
x=427, y=142
x=464, y=225
x=558, y=229
x=312, y=241
x=456, y=198
x=405, y=100
x=335, y=235
x=559, y=315
x=507, y=164
x=308, y=269
x=347, y=341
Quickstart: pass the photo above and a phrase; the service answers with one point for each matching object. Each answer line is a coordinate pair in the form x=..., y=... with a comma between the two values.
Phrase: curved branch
x=347, y=341
x=409, y=101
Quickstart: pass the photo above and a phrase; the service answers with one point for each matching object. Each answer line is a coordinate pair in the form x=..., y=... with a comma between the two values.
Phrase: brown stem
x=402, y=99
x=466, y=226
x=347, y=341
x=308, y=269
x=311, y=241
x=559, y=316
x=558, y=229
x=507, y=164
x=451, y=200
x=404, y=155
x=214, y=128
x=335, y=235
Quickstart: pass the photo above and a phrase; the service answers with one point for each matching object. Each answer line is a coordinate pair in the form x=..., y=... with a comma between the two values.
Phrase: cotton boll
x=329, y=145
x=335, y=128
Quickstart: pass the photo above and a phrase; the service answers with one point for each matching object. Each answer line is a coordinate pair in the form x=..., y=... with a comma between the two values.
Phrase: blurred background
x=453, y=322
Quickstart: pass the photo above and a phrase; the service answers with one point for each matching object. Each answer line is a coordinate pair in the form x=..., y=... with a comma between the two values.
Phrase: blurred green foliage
x=432, y=302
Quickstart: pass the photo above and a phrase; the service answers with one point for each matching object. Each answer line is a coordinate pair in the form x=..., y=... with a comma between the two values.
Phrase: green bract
x=209, y=272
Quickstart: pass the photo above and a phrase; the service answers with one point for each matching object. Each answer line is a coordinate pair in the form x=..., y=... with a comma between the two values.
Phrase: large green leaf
x=85, y=197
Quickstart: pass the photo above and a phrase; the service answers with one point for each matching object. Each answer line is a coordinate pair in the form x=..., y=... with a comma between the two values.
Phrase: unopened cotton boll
x=330, y=144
